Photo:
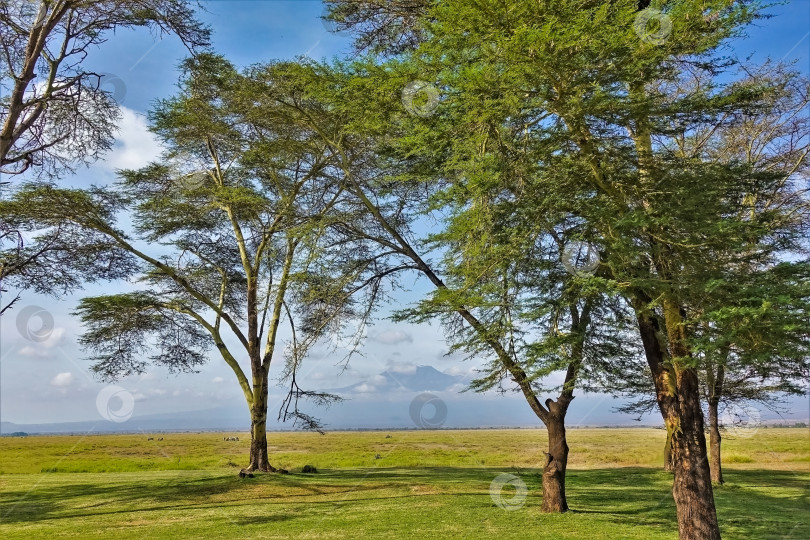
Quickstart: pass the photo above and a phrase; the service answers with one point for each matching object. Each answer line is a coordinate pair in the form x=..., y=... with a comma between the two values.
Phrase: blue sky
x=49, y=382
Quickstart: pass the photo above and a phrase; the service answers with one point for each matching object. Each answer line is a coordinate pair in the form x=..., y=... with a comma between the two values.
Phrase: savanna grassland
x=413, y=484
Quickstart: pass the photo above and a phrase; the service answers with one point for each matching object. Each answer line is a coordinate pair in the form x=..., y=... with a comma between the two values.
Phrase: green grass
x=426, y=484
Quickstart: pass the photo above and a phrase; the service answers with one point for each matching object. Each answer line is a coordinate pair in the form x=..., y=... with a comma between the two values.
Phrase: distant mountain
x=417, y=379
x=212, y=419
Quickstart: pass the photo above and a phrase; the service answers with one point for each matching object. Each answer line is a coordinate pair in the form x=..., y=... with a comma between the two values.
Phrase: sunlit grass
x=424, y=484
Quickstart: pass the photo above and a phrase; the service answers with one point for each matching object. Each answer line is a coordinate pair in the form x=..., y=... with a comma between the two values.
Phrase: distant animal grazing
x=378, y=456
x=388, y=436
x=150, y=439
x=160, y=438
x=234, y=439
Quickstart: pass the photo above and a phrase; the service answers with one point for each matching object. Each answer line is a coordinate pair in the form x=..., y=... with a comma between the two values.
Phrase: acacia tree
x=55, y=113
x=390, y=187
x=754, y=353
x=747, y=353
x=225, y=232
x=592, y=93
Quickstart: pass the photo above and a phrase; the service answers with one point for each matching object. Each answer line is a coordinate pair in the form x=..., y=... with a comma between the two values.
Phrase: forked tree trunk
x=678, y=397
x=555, y=464
x=714, y=443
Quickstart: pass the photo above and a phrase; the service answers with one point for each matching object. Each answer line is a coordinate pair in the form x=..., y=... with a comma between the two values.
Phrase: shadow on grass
x=753, y=504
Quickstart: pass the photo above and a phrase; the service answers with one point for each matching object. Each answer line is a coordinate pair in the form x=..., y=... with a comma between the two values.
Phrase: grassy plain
x=413, y=484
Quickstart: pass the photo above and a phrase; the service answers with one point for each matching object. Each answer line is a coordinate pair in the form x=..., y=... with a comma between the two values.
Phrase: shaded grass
x=445, y=494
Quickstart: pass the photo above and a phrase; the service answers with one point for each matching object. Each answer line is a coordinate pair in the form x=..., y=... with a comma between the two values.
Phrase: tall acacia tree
x=590, y=85
x=751, y=348
x=531, y=330
x=228, y=231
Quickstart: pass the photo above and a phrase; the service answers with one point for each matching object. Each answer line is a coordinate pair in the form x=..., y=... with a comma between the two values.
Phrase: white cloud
x=135, y=146
x=365, y=388
x=392, y=337
x=379, y=380
x=404, y=368
x=52, y=339
x=33, y=352
x=217, y=380
x=62, y=380
x=464, y=371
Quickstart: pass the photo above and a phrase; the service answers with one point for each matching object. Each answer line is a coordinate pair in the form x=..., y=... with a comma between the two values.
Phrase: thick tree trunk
x=692, y=487
x=258, y=439
x=678, y=397
x=259, y=460
x=714, y=443
x=555, y=465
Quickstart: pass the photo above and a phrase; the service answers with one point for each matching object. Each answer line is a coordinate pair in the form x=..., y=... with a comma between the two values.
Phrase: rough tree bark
x=259, y=460
x=678, y=397
x=556, y=461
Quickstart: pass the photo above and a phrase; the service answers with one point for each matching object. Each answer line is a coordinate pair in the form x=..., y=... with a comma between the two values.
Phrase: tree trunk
x=668, y=458
x=259, y=460
x=555, y=465
x=678, y=397
x=692, y=487
x=714, y=443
